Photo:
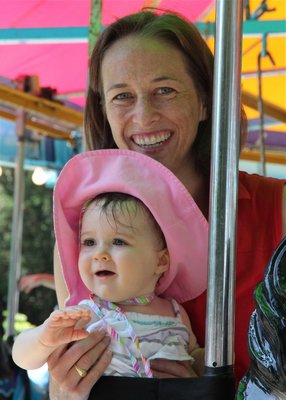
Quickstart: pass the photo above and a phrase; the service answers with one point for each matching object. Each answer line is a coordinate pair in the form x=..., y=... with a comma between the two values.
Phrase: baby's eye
x=88, y=242
x=119, y=242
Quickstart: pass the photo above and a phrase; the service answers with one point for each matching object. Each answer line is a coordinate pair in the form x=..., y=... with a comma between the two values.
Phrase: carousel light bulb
x=39, y=176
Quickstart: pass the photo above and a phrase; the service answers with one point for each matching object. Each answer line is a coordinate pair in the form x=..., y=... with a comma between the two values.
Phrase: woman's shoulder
x=250, y=184
x=248, y=178
x=260, y=210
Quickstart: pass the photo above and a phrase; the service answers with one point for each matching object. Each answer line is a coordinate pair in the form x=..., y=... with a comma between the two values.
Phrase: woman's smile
x=151, y=139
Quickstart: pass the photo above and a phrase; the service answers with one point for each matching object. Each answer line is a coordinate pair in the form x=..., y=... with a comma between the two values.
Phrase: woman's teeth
x=151, y=140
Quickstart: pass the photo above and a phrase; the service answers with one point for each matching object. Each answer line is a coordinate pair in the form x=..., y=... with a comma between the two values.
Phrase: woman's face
x=150, y=100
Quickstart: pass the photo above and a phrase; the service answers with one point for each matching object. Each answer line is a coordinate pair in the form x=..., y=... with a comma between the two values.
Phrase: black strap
x=124, y=388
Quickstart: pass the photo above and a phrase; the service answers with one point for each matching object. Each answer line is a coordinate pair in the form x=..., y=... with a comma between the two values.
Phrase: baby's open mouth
x=104, y=273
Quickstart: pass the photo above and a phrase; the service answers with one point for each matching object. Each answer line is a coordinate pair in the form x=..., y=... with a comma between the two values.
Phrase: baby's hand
x=65, y=326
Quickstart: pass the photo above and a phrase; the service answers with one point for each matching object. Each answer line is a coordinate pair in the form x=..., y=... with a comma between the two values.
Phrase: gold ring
x=82, y=372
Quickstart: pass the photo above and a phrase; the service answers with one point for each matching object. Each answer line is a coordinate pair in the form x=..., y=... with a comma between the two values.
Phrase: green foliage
x=21, y=322
x=37, y=244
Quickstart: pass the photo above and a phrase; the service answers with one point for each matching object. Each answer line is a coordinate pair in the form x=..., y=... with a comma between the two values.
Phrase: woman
x=151, y=92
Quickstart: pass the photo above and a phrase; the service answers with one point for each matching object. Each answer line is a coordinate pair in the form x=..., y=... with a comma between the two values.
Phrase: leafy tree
x=37, y=245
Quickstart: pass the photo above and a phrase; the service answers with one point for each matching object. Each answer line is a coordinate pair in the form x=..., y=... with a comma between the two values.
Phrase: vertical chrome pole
x=224, y=179
x=17, y=225
x=261, y=119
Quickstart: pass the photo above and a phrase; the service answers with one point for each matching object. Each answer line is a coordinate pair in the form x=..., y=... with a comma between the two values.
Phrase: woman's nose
x=145, y=112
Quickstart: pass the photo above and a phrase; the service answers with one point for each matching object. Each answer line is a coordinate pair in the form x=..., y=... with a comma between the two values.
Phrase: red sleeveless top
x=259, y=231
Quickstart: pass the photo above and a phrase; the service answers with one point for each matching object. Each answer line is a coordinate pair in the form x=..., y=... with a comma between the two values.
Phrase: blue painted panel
x=48, y=152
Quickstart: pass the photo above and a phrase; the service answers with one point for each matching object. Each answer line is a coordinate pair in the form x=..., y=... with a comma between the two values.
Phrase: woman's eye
x=165, y=90
x=88, y=242
x=122, y=96
x=119, y=242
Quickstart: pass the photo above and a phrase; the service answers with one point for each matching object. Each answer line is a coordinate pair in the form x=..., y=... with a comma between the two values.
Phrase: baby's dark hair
x=111, y=202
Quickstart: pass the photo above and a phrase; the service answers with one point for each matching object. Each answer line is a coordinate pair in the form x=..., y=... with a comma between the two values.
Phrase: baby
x=121, y=257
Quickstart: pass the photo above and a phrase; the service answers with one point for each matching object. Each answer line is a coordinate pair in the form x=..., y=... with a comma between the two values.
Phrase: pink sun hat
x=185, y=228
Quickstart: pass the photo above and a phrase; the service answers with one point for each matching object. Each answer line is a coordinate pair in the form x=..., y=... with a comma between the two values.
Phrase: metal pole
x=95, y=24
x=261, y=119
x=17, y=225
x=224, y=178
x=263, y=53
x=95, y=27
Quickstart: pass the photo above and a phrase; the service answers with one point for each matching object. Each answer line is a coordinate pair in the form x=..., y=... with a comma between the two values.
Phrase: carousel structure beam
x=80, y=34
x=17, y=225
x=270, y=157
x=250, y=27
x=44, y=35
x=269, y=109
x=51, y=109
x=47, y=117
x=43, y=129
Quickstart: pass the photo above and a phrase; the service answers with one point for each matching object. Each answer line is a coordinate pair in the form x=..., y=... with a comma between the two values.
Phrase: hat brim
x=185, y=228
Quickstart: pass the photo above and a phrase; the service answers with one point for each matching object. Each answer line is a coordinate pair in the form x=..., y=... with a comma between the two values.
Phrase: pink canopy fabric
x=59, y=65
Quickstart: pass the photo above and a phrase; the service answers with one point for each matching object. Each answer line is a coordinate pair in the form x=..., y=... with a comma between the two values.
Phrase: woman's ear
x=203, y=112
x=163, y=262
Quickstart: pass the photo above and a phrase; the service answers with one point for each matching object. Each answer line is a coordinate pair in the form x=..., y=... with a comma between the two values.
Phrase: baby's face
x=120, y=256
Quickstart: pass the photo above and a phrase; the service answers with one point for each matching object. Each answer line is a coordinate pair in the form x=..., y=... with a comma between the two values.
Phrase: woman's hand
x=29, y=282
x=91, y=355
x=172, y=369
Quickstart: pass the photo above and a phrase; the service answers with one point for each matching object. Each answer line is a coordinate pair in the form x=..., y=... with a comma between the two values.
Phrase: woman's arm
x=29, y=282
x=61, y=288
